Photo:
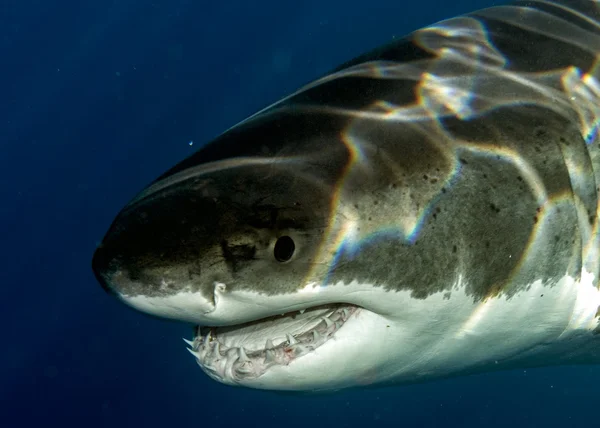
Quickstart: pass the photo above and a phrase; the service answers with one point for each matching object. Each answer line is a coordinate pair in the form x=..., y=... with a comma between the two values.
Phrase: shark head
x=311, y=253
x=264, y=240
x=386, y=223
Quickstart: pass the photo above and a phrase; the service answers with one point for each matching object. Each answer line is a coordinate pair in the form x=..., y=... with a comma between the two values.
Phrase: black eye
x=284, y=249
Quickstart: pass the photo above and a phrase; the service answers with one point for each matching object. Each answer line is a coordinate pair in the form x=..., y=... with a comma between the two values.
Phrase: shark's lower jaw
x=236, y=353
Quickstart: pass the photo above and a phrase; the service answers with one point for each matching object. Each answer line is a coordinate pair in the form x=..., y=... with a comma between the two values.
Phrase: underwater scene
x=300, y=213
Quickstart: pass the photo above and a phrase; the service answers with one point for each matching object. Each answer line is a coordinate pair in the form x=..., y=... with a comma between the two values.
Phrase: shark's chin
x=240, y=353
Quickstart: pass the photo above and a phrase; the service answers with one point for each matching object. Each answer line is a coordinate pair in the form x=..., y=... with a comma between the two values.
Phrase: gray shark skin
x=429, y=209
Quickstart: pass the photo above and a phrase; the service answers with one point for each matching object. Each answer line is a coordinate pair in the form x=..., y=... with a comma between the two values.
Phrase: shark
x=426, y=210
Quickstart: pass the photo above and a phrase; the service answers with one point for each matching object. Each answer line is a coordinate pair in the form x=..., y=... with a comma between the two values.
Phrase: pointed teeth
x=316, y=335
x=269, y=344
x=327, y=321
x=291, y=339
x=194, y=353
x=242, y=354
x=189, y=342
x=216, y=352
x=301, y=311
x=345, y=314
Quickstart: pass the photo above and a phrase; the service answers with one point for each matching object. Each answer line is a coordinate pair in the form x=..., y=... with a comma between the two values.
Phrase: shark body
x=429, y=209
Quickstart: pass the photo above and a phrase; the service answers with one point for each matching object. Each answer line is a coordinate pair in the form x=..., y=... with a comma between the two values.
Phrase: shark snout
x=100, y=266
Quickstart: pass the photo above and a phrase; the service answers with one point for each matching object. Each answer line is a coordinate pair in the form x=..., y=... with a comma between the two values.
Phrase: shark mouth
x=246, y=351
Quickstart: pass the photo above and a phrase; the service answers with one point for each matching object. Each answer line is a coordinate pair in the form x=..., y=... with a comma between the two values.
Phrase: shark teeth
x=194, y=353
x=291, y=339
x=236, y=363
x=216, y=352
x=328, y=322
x=242, y=354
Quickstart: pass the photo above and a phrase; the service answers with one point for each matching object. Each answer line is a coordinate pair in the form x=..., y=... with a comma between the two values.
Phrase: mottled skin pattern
x=467, y=149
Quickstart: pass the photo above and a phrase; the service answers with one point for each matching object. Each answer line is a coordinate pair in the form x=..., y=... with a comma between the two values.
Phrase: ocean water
x=99, y=97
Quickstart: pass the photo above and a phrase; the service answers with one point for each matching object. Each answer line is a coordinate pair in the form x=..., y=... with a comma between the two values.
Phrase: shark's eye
x=284, y=249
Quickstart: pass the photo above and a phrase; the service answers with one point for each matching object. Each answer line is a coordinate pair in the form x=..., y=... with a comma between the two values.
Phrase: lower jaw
x=233, y=364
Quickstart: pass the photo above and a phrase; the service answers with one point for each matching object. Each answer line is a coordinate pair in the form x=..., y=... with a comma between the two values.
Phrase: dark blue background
x=99, y=97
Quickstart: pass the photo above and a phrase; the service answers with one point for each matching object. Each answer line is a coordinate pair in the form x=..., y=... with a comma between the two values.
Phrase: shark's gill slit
x=247, y=350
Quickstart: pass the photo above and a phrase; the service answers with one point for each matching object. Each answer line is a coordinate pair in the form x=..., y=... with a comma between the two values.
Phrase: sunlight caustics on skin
x=428, y=209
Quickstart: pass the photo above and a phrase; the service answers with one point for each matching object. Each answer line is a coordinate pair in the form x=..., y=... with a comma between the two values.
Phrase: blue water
x=99, y=97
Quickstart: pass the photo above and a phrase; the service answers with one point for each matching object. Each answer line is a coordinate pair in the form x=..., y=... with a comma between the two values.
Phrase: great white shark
x=426, y=210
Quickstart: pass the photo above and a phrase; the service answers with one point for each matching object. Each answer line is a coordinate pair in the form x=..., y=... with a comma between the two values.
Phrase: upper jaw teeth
x=242, y=354
x=234, y=363
x=194, y=352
